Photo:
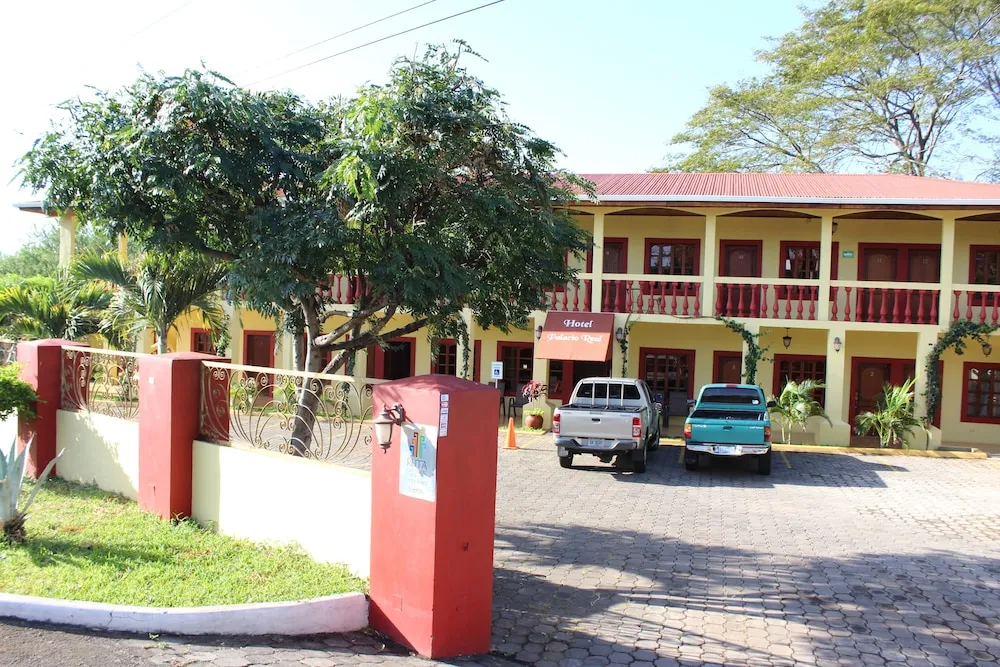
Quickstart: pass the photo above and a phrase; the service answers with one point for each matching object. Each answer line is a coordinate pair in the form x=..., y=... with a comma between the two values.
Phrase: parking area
x=832, y=560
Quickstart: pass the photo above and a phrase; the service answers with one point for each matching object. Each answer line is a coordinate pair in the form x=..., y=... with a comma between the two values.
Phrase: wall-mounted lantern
x=786, y=340
x=387, y=418
x=538, y=332
x=619, y=334
x=837, y=343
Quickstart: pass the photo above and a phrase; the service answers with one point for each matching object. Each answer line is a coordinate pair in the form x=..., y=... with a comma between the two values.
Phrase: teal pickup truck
x=729, y=420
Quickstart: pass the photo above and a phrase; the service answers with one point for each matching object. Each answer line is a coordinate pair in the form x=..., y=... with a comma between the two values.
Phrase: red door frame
x=609, y=239
x=966, y=367
x=645, y=351
x=896, y=378
x=477, y=360
x=902, y=258
x=246, y=338
x=717, y=357
x=378, y=356
x=458, y=357
x=778, y=358
x=723, y=258
x=697, y=254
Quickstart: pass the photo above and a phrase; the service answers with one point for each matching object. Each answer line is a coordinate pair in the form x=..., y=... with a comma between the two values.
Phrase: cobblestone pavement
x=832, y=560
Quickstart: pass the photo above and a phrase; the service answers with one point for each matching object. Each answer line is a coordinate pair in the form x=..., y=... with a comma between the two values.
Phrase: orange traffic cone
x=511, y=440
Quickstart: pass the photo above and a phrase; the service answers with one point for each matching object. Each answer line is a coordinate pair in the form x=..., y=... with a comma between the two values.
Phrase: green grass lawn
x=87, y=544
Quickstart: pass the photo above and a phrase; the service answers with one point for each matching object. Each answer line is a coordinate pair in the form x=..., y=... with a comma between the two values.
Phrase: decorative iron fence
x=101, y=381
x=322, y=417
x=8, y=352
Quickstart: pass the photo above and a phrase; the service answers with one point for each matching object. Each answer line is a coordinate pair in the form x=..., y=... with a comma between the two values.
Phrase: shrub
x=16, y=395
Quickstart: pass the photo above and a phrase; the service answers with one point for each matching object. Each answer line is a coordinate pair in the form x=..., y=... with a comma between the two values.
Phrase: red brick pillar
x=169, y=409
x=41, y=362
x=432, y=532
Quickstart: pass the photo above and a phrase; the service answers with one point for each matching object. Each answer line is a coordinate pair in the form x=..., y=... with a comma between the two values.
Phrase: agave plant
x=11, y=480
x=796, y=404
x=893, y=416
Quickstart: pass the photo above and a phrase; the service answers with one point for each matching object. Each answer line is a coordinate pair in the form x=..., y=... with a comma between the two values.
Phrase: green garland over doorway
x=755, y=353
x=955, y=337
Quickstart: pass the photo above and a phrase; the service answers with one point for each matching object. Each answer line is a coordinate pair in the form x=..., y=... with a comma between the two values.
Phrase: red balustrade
x=763, y=301
x=651, y=297
x=886, y=305
x=980, y=306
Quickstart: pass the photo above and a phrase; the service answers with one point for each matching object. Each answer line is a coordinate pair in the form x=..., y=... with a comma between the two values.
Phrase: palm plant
x=153, y=291
x=52, y=308
x=796, y=404
x=893, y=416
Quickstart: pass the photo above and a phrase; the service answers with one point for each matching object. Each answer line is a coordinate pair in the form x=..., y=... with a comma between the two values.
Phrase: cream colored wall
x=98, y=449
x=704, y=339
x=490, y=338
x=324, y=508
x=586, y=223
x=637, y=228
x=850, y=233
x=8, y=431
x=969, y=234
x=771, y=231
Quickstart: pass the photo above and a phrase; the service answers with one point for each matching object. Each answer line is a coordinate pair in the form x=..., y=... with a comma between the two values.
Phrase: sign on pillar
x=433, y=516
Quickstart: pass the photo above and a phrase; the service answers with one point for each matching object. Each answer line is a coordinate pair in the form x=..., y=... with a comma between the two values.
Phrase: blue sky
x=608, y=82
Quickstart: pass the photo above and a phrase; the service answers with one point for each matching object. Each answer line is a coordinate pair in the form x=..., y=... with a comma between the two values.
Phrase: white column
x=826, y=260
x=597, y=263
x=926, y=340
x=709, y=266
x=838, y=390
x=617, y=358
x=67, y=238
x=947, y=270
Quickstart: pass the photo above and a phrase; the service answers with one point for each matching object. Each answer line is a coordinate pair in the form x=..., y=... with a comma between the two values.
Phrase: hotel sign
x=576, y=336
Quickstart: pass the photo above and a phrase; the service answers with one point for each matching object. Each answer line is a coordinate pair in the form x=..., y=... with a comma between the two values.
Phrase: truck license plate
x=599, y=443
x=727, y=450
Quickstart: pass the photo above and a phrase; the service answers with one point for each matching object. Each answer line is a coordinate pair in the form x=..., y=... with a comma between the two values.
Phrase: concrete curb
x=333, y=613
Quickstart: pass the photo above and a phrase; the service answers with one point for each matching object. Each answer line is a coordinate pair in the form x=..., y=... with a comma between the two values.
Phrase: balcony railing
x=977, y=303
x=574, y=297
x=679, y=296
x=779, y=299
x=856, y=301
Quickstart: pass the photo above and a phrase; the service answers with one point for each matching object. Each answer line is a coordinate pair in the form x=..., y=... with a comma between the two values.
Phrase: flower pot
x=533, y=421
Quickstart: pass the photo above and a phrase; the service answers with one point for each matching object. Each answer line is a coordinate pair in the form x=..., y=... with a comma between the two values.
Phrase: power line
x=338, y=36
x=374, y=41
x=162, y=18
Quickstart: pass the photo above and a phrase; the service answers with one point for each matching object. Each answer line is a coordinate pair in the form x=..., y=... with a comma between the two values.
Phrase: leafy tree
x=893, y=416
x=153, y=291
x=878, y=83
x=40, y=255
x=420, y=191
x=52, y=308
x=796, y=404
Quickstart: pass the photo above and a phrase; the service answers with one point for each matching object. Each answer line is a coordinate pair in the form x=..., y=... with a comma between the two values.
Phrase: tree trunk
x=308, y=399
x=299, y=351
x=161, y=341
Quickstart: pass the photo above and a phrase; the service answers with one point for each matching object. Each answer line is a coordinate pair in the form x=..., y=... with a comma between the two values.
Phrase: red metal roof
x=798, y=188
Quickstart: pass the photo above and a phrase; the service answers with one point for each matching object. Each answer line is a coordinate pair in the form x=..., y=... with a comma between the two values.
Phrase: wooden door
x=741, y=261
x=258, y=350
x=729, y=369
x=669, y=373
x=615, y=261
x=923, y=266
x=398, y=360
x=872, y=377
x=880, y=264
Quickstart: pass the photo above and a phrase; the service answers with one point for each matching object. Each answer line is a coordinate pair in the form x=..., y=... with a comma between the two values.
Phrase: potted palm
x=893, y=416
x=796, y=404
x=534, y=417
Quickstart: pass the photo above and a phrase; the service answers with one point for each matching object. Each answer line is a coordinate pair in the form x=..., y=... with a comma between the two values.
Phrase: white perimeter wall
x=269, y=497
x=100, y=450
x=8, y=431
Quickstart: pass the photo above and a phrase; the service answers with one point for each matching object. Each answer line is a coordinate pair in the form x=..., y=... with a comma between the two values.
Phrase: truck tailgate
x=727, y=427
x=584, y=423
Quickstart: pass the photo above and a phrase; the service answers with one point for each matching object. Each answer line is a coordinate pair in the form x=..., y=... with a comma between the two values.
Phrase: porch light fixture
x=837, y=343
x=835, y=226
x=786, y=340
x=619, y=334
x=538, y=332
x=386, y=419
x=987, y=349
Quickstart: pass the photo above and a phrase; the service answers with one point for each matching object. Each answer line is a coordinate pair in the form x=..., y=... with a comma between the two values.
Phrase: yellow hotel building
x=850, y=279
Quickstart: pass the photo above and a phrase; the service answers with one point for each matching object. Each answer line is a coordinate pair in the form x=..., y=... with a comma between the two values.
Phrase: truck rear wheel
x=690, y=460
x=764, y=463
x=638, y=458
x=654, y=441
x=566, y=461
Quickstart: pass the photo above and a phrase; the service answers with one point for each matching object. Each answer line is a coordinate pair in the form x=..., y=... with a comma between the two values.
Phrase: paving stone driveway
x=832, y=560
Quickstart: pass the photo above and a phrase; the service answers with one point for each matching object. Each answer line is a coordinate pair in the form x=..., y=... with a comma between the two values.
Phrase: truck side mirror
x=691, y=402
x=771, y=404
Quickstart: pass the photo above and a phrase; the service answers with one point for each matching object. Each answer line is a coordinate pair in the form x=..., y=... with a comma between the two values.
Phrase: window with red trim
x=557, y=379
x=981, y=392
x=201, y=341
x=798, y=368
x=446, y=359
x=984, y=265
x=800, y=261
x=672, y=258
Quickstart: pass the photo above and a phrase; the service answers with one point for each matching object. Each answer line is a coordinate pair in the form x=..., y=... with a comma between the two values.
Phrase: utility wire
x=374, y=41
x=338, y=36
x=162, y=18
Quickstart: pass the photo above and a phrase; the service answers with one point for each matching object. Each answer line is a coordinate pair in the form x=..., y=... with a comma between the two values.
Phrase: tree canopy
x=40, y=255
x=420, y=191
x=884, y=85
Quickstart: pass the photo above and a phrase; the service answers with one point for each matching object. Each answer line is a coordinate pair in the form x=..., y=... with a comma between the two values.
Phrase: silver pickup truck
x=608, y=417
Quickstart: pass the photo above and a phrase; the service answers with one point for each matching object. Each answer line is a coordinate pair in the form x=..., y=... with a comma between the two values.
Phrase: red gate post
x=432, y=531
x=169, y=411
x=41, y=362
